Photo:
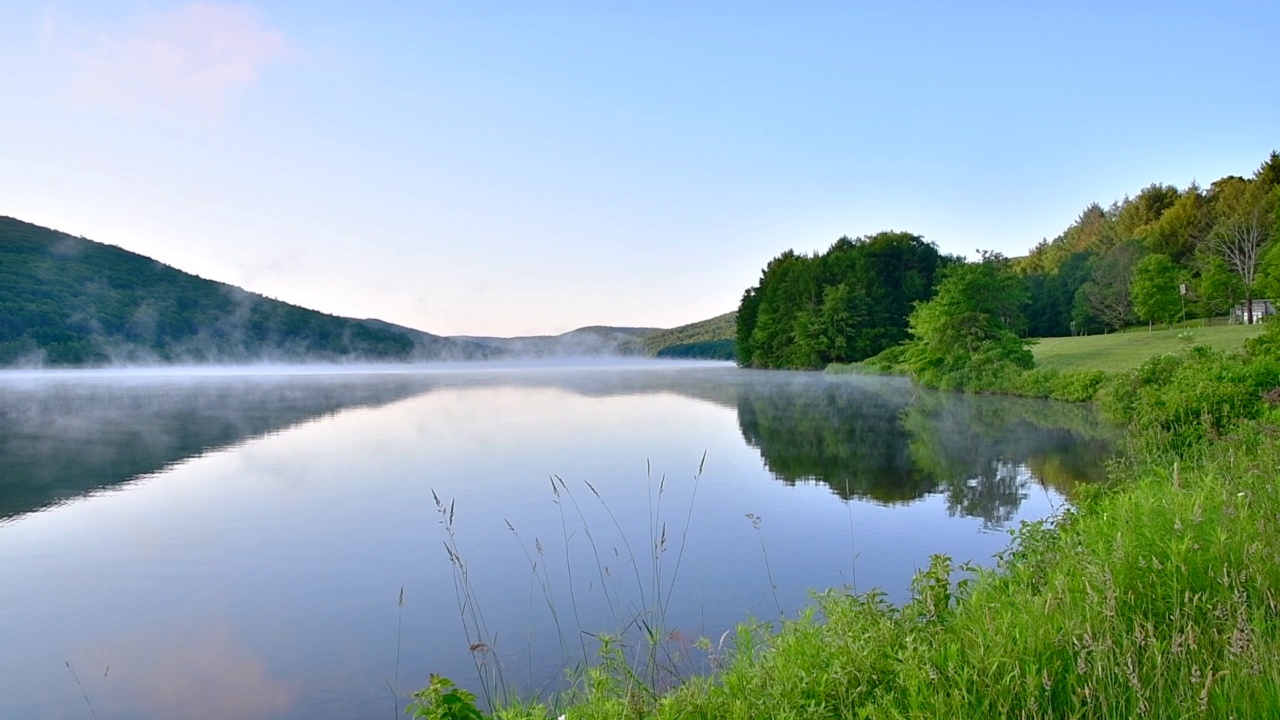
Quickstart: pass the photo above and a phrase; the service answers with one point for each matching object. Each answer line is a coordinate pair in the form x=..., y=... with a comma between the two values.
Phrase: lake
x=268, y=543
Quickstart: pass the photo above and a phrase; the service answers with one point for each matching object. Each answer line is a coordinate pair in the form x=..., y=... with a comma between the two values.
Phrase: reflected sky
x=251, y=535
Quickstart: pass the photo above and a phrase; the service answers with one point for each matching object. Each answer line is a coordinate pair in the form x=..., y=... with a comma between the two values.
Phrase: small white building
x=1262, y=309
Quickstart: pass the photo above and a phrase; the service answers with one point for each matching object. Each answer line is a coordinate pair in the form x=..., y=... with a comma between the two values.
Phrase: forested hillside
x=711, y=339
x=1164, y=254
x=590, y=341
x=69, y=301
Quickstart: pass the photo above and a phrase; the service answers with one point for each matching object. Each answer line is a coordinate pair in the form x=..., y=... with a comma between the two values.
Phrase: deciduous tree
x=975, y=319
x=1245, y=211
x=1154, y=289
x=1106, y=295
x=1218, y=289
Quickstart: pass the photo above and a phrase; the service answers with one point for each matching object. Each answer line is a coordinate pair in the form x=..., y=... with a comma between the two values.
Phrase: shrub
x=1039, y=382
x=891, y=359
x=1265, y=345
x=1077, y=385
x=1184, y=400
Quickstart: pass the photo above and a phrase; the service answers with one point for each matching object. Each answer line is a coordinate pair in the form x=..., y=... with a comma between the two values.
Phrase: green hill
x=711, y=339
x=69, y=301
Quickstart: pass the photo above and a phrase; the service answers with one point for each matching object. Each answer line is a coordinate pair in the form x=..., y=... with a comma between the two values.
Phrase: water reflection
x=62, y=439
x=984, y=452
x=179, y=672
x=882, y=440
x=871, y=438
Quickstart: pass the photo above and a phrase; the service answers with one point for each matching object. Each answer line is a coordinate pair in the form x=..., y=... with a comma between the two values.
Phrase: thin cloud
x=194, y=57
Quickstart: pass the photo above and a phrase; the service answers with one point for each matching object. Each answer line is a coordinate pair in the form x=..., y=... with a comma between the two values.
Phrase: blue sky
x=524, y=168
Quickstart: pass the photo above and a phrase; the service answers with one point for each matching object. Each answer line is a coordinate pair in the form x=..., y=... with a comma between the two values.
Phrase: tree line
x=1159, y=255
x=1162, y=255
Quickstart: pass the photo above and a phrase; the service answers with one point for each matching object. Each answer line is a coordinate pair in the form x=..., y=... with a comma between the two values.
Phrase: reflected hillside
x=719, y=384
x=883, y=440
x=63, y=437
x=60, y=439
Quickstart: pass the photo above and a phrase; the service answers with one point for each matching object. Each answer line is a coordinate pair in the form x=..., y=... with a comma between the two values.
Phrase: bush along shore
x=1157, y=595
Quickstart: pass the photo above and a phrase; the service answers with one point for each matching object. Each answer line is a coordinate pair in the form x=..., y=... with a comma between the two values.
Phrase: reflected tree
x=885, y=441
x=844, y=435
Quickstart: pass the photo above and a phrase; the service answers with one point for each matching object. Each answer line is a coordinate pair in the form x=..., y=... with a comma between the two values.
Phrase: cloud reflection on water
x=183, y=673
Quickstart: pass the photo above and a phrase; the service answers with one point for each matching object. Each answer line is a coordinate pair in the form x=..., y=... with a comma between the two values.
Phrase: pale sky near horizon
x=528, y=168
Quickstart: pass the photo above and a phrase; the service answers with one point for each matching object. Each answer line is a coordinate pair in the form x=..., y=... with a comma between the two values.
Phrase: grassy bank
x=1106, y=353
x=1157, y=596
x=1128, y=350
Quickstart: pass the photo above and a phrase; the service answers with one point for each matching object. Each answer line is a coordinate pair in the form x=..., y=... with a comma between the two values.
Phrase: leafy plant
x=441, y=699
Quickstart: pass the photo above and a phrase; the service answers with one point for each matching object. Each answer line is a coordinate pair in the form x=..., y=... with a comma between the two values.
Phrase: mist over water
x=267, y=369
x=234, y=539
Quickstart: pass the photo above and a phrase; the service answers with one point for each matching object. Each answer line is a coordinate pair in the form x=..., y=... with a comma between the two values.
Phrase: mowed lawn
x=1127, y=350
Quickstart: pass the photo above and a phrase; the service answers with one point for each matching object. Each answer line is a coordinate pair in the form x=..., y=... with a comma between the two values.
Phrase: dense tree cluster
x=70, y=301
x=1163, y=255
x=702, y=350
x=844, y=305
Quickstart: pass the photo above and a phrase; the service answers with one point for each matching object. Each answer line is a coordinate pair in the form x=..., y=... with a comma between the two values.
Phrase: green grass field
x=1127, y=350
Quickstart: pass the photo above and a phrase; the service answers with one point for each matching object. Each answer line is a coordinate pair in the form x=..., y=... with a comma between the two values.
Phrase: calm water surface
x=235, y=544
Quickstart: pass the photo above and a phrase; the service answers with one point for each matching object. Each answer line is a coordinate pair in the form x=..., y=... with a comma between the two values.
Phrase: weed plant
x=641, y=660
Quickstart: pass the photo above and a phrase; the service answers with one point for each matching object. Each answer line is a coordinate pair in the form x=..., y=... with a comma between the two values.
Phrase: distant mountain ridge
x=438, y=347
x=68, y=301
x=593, y=340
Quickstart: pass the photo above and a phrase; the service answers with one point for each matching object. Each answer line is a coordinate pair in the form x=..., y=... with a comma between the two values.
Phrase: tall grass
x=480, y=641
x=645, y=656
x=83, y=693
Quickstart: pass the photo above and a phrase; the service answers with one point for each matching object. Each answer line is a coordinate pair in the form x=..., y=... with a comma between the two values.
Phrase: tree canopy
x=1162, y=254
x=976, y=319
x=844, y=305
x=1215, y=238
